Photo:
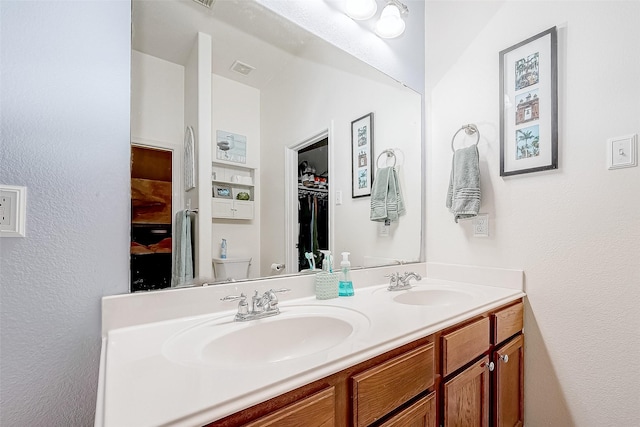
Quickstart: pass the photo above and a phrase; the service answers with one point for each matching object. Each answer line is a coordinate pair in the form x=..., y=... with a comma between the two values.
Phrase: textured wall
x=65, y=135
x=574, y=231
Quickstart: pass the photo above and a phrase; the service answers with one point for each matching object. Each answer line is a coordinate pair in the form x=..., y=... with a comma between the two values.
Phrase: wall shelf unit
x=228, y=182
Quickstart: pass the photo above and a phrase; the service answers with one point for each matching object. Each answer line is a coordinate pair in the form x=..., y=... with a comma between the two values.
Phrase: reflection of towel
x=183, y=259
x=463, y=196
x=386, y=196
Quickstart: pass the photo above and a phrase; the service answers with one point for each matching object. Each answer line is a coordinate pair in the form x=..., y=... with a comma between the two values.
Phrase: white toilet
x=231, y=268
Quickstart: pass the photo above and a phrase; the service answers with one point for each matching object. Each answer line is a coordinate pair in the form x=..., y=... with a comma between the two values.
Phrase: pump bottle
x=345, y=286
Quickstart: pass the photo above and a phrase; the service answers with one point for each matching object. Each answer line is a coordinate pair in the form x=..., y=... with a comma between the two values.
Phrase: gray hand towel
x=183, y=258
x=463, y=196
x=386, y=196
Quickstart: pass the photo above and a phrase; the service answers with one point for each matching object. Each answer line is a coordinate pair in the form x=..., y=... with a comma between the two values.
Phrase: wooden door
x=466, y=397
x=509, y=385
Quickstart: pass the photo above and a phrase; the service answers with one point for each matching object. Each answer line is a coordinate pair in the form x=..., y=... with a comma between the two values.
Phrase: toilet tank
x=231, y=268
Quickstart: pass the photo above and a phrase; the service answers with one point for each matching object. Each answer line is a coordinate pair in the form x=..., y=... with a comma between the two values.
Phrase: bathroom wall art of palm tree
x=527, y=142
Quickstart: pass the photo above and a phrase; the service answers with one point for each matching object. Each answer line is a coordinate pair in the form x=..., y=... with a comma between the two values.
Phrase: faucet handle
x=393, y=277
x=241, y=297
x=280, y=291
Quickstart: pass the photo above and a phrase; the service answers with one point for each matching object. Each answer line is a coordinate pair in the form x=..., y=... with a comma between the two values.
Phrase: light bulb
x=390, y=24
x=361, y=9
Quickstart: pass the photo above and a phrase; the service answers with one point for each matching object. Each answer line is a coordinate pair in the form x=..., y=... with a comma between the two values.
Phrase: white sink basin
x=434, y=297
x=298, y=331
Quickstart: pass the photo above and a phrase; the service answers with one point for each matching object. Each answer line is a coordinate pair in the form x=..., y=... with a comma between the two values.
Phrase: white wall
x=65, y=135
x=236, y=109
x=574, y=231
x=312, y=106
x=157, y=99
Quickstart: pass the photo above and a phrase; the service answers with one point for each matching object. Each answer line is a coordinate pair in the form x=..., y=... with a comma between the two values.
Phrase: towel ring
x=469, y=129
x=389, y=153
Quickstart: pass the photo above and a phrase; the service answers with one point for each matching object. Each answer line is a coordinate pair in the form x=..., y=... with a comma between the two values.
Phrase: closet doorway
x=308, y=211
x=313, y=203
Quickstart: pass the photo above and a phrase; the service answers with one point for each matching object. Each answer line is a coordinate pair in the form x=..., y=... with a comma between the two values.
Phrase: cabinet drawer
x=462, y=346
x=423, y=413
x=379, y=390
x=315, y=410
x=507, y=322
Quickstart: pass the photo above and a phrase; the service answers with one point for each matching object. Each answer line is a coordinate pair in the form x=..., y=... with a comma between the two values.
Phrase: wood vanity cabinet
x=483, y=370
x=468, y=375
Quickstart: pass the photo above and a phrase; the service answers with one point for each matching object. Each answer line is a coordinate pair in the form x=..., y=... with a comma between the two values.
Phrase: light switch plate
x=481, y=225
x=622, y=152
x=13, y=210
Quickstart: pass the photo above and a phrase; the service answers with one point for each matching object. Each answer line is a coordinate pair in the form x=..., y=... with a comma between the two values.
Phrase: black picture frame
x=529, y=105
x=362, y=164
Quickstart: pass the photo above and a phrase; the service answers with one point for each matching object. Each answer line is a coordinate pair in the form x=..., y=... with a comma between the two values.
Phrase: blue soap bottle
x=345, y=286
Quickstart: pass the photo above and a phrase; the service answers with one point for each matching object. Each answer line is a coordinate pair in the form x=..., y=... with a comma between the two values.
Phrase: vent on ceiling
x=242, y=68
x=205, y=3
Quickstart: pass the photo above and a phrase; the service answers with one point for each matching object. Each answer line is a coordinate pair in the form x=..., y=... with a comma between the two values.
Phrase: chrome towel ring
x=469, y=129
x=389, y=153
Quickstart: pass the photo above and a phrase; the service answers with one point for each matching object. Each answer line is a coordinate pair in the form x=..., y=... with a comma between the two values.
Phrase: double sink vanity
x=447, y=351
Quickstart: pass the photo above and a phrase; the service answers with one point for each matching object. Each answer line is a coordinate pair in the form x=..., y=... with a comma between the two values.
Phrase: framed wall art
x=361, y=152
x=231, y=147
x=529, y=105
x=222, y=191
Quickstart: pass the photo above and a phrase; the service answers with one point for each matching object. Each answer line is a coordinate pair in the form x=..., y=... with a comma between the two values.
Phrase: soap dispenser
x=326, y=281
x=345, y=286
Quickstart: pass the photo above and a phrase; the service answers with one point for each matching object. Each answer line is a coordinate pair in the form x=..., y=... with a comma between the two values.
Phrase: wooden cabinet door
x=466, y=397
x=317, y=410
x=509, y=390
x=423, y=413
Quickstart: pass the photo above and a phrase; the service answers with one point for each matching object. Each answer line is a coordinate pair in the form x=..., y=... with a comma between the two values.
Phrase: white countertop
x=141, y=386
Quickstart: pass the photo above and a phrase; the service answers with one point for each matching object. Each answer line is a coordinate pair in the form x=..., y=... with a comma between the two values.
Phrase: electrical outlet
x=383, y=228
x=13, y=204
x=481, y=225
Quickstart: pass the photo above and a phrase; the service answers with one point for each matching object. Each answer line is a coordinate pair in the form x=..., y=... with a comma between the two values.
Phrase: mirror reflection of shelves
x=233, y=191
x=312, y=191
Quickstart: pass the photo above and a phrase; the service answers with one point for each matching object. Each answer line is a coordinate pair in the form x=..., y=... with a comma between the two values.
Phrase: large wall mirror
x=285, y=151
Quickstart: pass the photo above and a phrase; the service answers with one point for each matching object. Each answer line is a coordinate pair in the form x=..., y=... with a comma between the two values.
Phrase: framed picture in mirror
x=361, y=152
x=222, y=191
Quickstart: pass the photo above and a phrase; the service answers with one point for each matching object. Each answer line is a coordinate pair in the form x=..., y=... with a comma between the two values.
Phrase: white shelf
x=231, y=184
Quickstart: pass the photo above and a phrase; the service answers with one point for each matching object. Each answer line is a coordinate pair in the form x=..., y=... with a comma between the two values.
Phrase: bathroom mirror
x=279, y=87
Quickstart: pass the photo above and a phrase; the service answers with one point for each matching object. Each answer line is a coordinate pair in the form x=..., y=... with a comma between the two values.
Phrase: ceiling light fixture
x=391, y=24
x=361, y=9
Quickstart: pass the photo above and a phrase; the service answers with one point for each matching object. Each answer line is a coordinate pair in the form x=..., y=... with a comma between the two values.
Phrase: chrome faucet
x=264, y=305
x=401, y=283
